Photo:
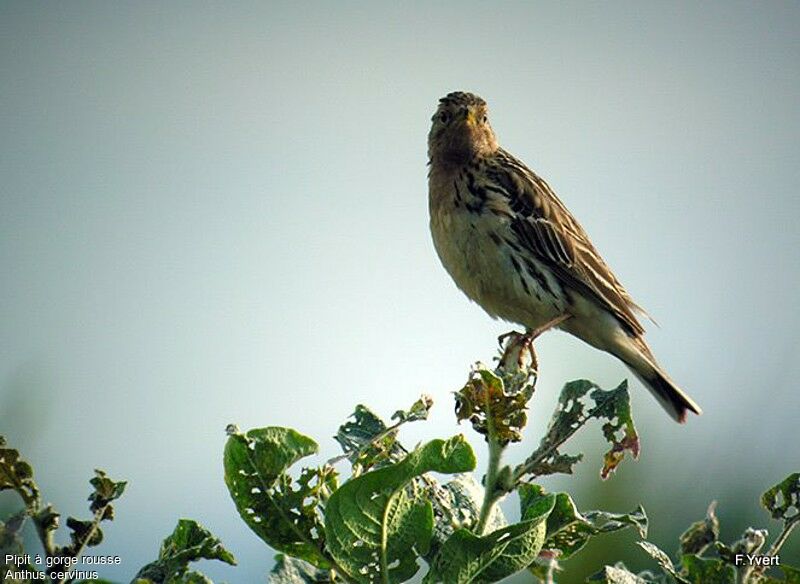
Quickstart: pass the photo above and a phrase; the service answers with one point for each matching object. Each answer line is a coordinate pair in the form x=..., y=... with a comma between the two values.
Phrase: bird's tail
x=670, y=396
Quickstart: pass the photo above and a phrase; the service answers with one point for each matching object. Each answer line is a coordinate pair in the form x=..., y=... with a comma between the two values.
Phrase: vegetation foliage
x=392, y=517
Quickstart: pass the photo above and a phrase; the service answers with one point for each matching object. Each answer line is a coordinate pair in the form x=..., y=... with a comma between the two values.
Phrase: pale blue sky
x=217, y=212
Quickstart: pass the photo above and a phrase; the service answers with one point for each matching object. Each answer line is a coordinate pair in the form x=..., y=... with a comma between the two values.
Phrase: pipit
x=512, y=246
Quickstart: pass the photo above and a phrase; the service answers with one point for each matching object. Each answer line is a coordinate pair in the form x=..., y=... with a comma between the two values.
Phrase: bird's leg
x=534, y=333
x=528, y=339
x=520, y=343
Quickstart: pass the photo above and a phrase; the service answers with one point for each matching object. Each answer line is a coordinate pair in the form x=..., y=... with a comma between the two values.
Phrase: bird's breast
x=472, y=243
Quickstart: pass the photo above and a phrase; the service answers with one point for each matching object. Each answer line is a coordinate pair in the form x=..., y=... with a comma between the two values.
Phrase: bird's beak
x=472, y=118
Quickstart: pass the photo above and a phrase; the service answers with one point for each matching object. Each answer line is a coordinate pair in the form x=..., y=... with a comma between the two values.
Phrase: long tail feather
x=635, y=353
x=670, y=396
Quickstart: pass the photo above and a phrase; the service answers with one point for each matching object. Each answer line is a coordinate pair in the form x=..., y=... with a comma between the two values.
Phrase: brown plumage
x=513, y=247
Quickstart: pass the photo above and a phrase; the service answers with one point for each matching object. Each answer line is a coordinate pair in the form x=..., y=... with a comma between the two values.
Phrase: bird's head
x=460, y=130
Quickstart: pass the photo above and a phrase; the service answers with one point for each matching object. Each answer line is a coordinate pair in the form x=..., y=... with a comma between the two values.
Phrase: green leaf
x=486, y=401
x=188, y=543
x=191, y=577
x=86, y=533
x=783, y=500
x=701, y=534
x=663, y=560
x=47, y=519
x=368, y=442
x=17, y=474
x=419, y=410
x=267, y=451
x=286, y=518
x=83, y=533
x=572, y=413
x=11, y=545
x=289, y=570
x=751, y=542
x=556, y=463
x=619, y=574
x=791, y=574
x=105, y=491
x=466, y=557
x=358, y=432
x=697, y=570
x=619, y=430
x=457, y=504
x=10, y=540
x=568, y=530
x=605, y=522
x=374, y=524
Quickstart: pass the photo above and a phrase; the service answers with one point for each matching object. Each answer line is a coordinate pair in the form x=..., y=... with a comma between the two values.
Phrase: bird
x=512, y=247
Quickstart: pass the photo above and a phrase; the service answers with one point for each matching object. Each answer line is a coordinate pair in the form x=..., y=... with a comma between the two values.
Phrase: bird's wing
x=543, y=226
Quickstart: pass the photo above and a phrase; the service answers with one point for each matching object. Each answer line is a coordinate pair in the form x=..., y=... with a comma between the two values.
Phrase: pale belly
x=507, y=284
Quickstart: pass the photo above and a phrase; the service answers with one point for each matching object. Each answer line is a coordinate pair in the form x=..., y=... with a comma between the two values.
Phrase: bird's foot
x=519, y=346
x=501, y=340
x=517, y=350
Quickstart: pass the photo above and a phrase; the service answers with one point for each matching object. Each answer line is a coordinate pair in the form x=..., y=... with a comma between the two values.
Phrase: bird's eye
x=485, y=119
x=444, y=117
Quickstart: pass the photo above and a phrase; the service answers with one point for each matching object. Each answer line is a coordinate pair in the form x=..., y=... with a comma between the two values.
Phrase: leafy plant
x=394, y=511
x=704, y=559
x=61, y=563
x=391, y=516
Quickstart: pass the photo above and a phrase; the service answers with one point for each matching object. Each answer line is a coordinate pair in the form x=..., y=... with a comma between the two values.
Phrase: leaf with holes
x=697, y=570
x=701, y=534
x=457, y=504
x=419, y=410
x=751, y=542
x=189, y=542
x=466, y=557
x=378, y=523
x=783, y=500
x=105, y=491
x=284, y=514
x=16, y=474
x=574, y=409
x=568, y=530
x=289, y=570
x=615, y=406
x=619, y=574
x=367, y=441
x=663, y=560
x=487, y=403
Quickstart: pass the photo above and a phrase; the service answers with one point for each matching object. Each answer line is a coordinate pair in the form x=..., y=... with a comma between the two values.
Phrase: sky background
x=217, y=212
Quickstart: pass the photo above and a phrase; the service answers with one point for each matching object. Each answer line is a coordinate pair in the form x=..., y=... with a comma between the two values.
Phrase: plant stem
x=98, y=517
x=535, y=459
x=787, y=529
x=33, y=506
x=491, y=492
x=776, y=546
x=517, y=357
